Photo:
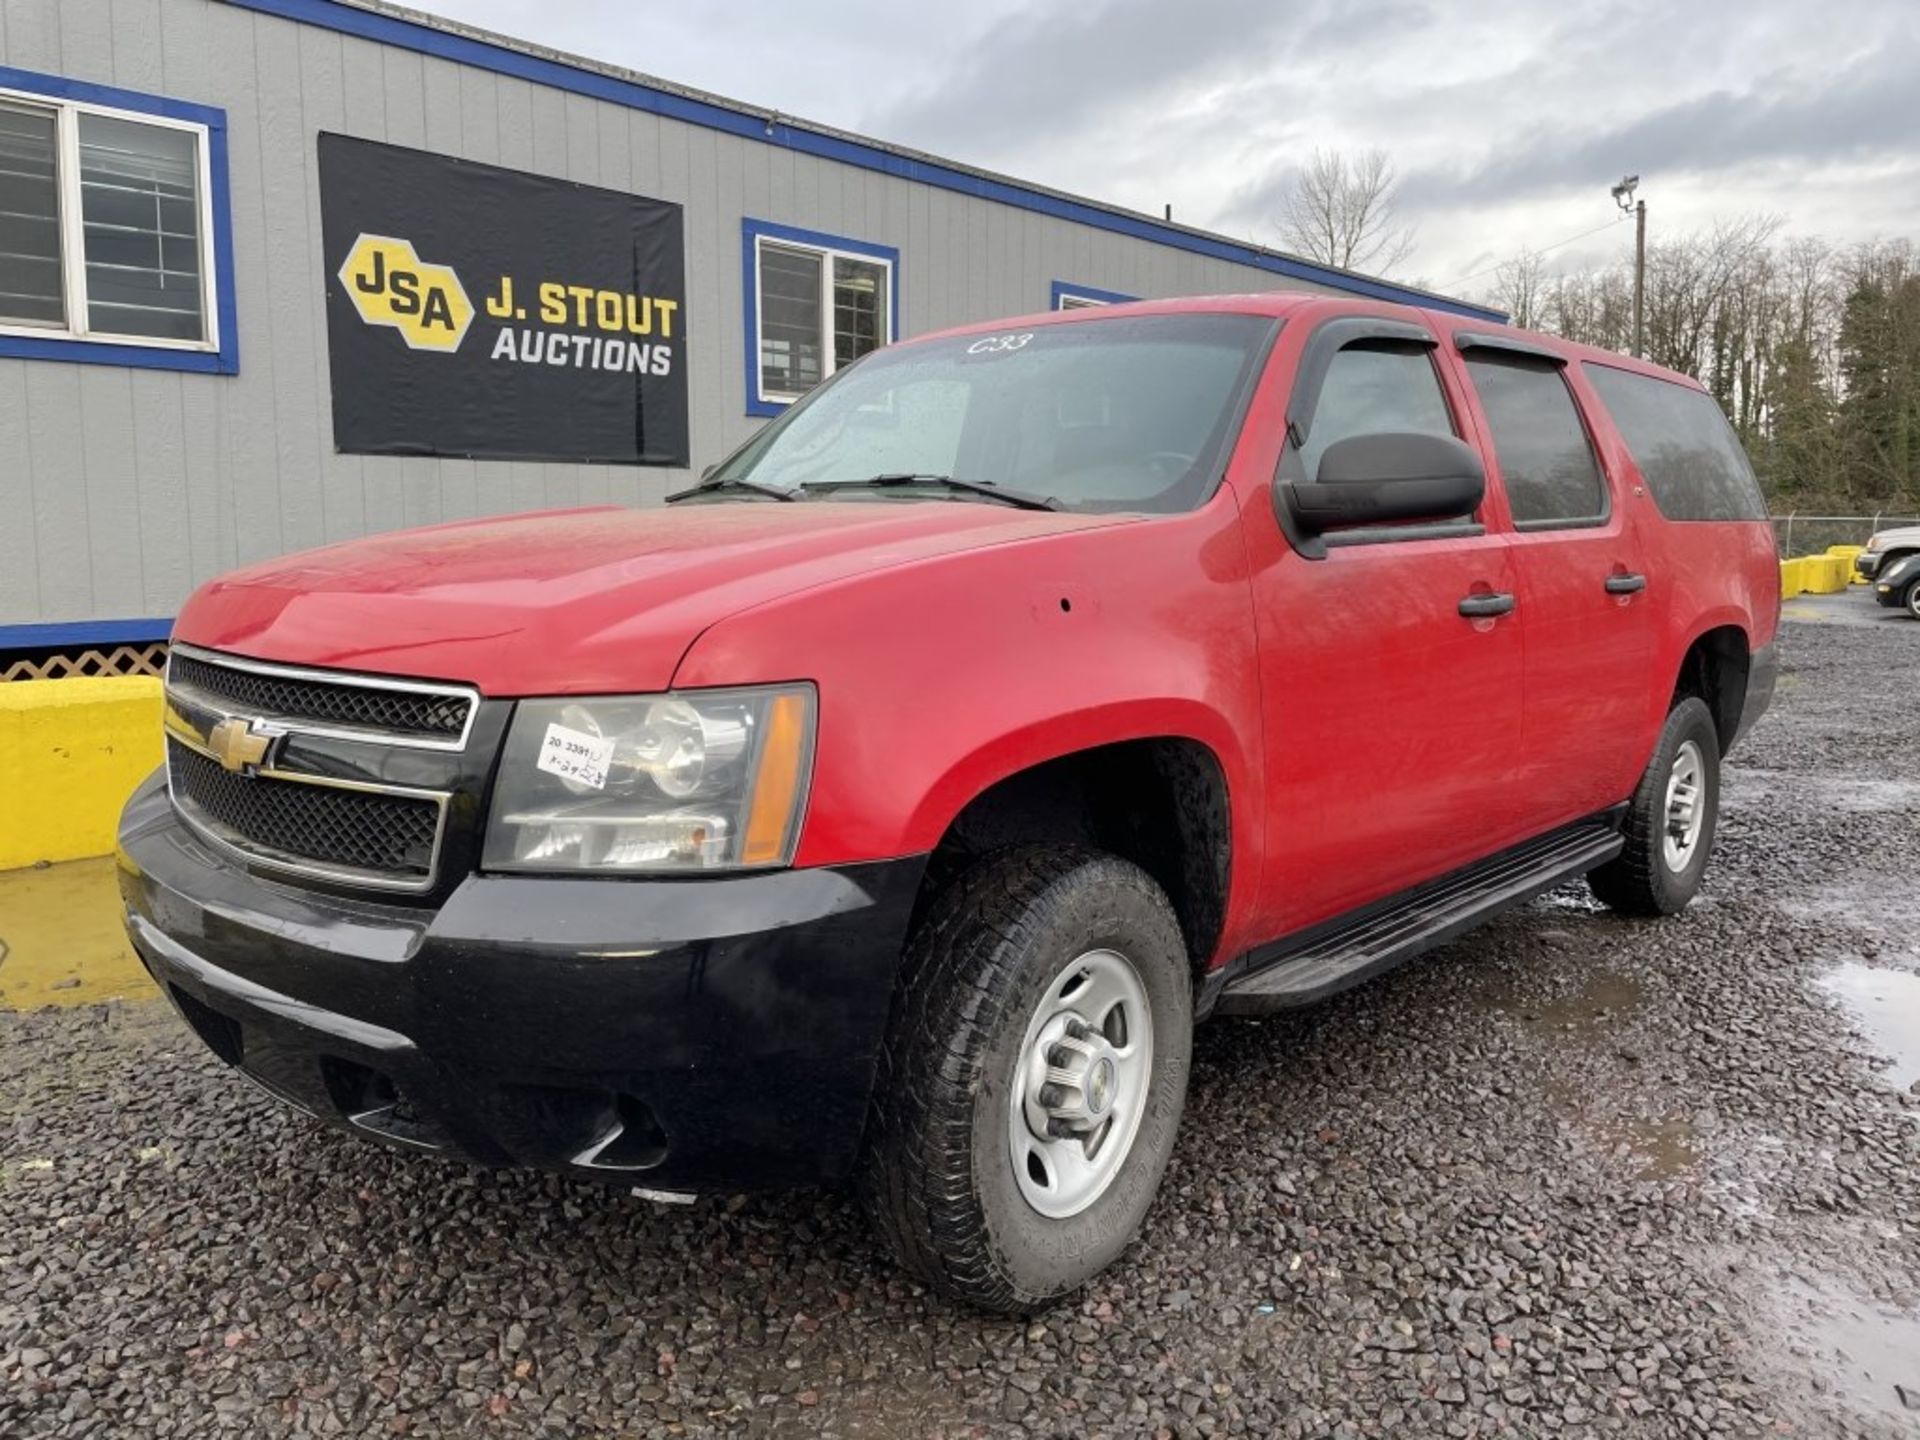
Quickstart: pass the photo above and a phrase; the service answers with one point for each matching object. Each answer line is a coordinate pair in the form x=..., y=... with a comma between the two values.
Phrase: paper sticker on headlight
x=575, y=755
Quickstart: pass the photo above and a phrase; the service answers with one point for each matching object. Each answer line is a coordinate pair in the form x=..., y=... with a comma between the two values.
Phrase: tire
x=1022, y=938
x=1658, y=874
x=1911, y=600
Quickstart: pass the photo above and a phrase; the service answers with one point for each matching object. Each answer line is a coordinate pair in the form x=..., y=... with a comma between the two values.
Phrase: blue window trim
x=751, y=232
x=1087, y=292
x=63, y=635
x=771, y=129
x=225, y=360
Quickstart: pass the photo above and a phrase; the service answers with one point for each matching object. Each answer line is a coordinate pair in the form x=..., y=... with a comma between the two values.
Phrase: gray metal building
x=167, y=408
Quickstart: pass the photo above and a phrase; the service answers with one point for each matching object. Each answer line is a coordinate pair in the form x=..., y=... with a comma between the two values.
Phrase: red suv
x=891, y=805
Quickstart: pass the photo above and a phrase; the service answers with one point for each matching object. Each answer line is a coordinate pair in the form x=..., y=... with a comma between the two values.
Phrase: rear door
x=1584, y=591
x=1391, y=716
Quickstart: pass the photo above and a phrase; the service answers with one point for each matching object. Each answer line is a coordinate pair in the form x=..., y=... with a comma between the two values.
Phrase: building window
x=113, y=234
x=814, y=303
x=1085, y=297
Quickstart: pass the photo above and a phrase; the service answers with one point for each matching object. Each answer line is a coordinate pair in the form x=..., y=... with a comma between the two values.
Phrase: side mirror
x=1372, y=479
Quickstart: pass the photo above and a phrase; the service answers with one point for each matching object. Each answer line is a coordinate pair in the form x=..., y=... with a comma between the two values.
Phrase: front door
x=1391, y=665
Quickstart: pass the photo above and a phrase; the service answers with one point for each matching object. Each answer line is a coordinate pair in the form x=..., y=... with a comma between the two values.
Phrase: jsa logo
x=391, y=285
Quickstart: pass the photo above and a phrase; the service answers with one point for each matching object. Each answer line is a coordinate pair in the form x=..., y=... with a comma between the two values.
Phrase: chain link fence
x=1797, y=534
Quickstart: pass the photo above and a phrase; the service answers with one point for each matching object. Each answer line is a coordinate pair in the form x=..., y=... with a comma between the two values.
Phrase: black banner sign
x=485, y=312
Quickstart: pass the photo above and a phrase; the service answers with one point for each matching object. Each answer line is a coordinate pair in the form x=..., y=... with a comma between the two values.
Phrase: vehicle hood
x=1900, y=534
x=575, y=601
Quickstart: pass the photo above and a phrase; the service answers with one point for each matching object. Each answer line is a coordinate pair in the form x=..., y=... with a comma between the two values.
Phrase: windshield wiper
x=734, y=482
x=905, y=480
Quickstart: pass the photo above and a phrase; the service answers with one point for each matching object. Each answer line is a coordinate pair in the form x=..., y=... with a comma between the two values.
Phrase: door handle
x=1482, y=606
x=1626, y=584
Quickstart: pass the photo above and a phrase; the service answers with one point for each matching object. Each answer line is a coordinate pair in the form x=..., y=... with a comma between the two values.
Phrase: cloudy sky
x=1508, y=121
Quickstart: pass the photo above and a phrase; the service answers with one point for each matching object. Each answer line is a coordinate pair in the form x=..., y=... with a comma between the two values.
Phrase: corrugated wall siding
x=122, y=489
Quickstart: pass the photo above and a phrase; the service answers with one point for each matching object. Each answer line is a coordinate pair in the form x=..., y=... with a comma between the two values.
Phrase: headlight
x=700, y=780
x=1874, y=542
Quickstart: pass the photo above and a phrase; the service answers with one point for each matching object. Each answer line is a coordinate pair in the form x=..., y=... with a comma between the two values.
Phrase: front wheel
x=1033, y=1077
x=1912, y=602
x=1671, y=820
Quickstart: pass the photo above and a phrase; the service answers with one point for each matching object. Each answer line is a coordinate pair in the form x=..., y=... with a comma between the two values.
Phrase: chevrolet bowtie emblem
x=237, y=745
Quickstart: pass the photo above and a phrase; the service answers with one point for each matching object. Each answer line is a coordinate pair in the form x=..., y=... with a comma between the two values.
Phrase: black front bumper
x=702, y=1034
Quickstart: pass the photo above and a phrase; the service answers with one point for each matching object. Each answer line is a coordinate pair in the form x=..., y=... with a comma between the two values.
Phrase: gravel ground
x=1572, y=1175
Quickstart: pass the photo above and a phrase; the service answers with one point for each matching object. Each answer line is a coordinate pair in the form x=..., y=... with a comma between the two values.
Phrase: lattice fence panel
x=68, y=664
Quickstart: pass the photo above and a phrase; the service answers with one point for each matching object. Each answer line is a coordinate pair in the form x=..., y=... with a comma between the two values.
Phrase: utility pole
x=1639, y=279
x=1623, y=197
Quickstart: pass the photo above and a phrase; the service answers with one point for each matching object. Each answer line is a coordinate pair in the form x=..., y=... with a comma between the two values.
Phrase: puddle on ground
x=1876, y=903
x=1576, y=898
x=61, y=938
x=1864, y=1354
x=1848, y=795
x=1886, y=1005
x=1600, y=995
x=1666, y=1149
x=1659, y=1147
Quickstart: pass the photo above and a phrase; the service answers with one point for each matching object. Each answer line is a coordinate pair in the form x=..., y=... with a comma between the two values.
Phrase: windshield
x=1128, y=413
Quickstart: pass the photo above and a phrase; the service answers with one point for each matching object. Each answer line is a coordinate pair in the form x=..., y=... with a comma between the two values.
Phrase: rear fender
x=1668, y=667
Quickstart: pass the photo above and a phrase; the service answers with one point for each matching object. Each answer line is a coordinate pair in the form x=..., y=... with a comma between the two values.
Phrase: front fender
x=973, y=774
x=941, y=677
x=1892, y=581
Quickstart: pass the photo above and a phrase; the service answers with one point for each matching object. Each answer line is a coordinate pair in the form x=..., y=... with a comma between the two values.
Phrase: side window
x=1546, y=460
x=1375, y=388
x=1694, y=467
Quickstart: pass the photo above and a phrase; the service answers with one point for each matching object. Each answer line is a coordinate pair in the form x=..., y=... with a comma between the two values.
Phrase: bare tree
x=1691, y=282
x=1814, y=352
x=1520, y=289
x=1341, y=212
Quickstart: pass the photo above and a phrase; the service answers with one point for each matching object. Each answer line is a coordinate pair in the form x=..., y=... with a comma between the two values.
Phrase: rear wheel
x=1671, y=820
x=1033, y=1077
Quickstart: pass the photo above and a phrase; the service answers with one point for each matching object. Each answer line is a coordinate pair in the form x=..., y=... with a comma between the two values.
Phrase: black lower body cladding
x=1763, y=673
x=714, y=1033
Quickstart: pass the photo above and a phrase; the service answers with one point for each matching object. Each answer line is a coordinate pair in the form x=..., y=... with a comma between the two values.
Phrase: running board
x=1328, y=958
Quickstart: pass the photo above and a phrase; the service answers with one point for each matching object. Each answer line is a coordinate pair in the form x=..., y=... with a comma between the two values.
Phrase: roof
x=1281, y=304
x=426, y=34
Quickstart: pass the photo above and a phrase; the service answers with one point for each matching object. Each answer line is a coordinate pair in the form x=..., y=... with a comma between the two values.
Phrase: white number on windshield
x=995, y=344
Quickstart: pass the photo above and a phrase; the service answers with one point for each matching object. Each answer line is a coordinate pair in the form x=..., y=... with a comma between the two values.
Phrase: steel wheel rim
x=1071, y=1126
x=1913, y=599
x=1686, y=809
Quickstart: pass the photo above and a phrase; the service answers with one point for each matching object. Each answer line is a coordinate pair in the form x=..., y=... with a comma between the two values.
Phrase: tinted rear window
x=1683, y=445
x=1545, y=460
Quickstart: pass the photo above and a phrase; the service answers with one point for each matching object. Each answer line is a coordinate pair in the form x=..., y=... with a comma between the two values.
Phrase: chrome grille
x=365, y=832
x=289, y=768
x=404, y=712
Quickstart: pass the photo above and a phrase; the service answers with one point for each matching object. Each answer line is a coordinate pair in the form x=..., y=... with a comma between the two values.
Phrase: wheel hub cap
x=1080, y=1083
x=1078, y=1097
x=1686, y=807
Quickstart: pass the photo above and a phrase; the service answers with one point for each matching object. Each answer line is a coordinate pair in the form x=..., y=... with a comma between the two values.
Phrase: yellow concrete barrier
x=1848, y=553
x=71, y=752
x=1824, y=574
x=1792, y=579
